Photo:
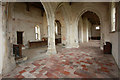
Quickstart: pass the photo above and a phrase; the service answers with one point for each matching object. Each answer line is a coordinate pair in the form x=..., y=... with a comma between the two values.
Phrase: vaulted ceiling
x=92, y=17
x=35, y=4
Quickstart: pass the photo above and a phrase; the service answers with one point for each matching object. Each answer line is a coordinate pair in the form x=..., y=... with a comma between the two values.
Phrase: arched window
x=113, y=19
x=56, y=28
x=37, y=33
x=97, y=27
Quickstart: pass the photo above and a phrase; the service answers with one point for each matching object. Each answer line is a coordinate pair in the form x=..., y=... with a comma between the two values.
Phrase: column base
x=51, y=51
x=72, y=45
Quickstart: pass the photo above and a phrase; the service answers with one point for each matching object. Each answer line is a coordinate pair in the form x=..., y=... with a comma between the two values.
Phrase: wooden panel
x=108, y=48
x=17, y=51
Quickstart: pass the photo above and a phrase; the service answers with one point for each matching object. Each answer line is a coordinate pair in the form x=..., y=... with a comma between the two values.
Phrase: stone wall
x=8, y=58
x=23, y=20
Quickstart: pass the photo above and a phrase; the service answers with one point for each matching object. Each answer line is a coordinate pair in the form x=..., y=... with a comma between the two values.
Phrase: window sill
x=34, y=40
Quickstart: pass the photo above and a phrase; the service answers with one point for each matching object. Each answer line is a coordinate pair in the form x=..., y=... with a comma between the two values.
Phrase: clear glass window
x=37, y=33
x=97, y=28
x=113, y=19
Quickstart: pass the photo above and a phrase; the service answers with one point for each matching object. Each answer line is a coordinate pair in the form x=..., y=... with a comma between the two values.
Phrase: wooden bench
x=35, y=44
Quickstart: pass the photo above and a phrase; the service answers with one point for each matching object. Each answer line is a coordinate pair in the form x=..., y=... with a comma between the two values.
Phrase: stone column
x=49, y=10
x=81, y=29
x=68, y=44
x=71, y=29
x=51, y=35
x=118, y=17
x=8, y=58
x=85, y=30
x=67, y=20
x=118, y=26
x=1, y=37
x=79, y=32
x=75, y=41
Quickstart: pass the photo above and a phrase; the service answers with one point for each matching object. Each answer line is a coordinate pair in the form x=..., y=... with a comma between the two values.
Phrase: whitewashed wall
x=25, y=21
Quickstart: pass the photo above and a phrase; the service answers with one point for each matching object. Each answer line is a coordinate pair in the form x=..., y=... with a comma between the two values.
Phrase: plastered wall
x=114, y=41
x=25, y=21
x=115, y=36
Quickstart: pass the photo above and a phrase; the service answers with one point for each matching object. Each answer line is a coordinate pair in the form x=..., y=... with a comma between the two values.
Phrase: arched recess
x=66, y=14
x=58, y=28
x=87, y=24
x=60, y=20
x=101, y=23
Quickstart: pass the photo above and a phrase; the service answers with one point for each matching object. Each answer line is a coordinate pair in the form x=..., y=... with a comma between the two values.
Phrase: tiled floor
x=87, y=61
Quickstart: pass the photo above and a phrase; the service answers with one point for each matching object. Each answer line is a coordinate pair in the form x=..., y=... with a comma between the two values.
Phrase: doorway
x=89, y=27
x=19, y=37
x=57, y=32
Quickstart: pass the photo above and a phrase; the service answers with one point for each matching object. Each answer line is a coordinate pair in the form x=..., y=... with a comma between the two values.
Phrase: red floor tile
x=84, y=62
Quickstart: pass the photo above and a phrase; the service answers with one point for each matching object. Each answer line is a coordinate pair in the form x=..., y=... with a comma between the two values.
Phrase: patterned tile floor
x=87, y=61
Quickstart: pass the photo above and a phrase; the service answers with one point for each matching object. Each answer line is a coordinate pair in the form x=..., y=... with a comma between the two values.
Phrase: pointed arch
x=101, y=22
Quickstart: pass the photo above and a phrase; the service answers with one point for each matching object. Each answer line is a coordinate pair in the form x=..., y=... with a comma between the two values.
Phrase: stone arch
x=59, y=5
x=59, y=15
x=101, y=22
x=92, y=10
x=58, y=24
x=48, y=10
x=66, y=14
